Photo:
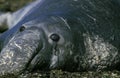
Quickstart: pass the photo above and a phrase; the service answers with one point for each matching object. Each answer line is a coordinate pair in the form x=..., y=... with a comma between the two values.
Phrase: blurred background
x=12, y=5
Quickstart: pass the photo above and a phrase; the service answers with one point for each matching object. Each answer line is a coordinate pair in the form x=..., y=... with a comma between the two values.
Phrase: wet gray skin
x=78, y=35
x=35, y=45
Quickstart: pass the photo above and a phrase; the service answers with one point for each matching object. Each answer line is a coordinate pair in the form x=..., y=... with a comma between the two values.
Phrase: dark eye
x=22, y=28
x=55, y=37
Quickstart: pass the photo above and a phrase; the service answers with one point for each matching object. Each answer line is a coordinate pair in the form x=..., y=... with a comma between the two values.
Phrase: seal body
x=74, y=35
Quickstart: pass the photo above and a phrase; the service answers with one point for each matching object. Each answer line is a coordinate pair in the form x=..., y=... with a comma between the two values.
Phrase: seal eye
x=22, y=28
x=55, y=37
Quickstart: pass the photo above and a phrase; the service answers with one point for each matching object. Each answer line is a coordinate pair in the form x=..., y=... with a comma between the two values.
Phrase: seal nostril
x=55, y=37
x=22, y=28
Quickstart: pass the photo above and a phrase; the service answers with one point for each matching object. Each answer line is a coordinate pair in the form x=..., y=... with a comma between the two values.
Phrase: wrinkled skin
x=31, y=45
x=87, y=37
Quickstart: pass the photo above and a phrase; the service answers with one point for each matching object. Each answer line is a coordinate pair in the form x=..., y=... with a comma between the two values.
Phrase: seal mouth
x=33, y=60
x=38, y=46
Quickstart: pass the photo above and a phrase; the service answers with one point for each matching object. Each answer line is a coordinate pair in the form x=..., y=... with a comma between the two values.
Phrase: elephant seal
x=72, y=35
x=30, y=46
